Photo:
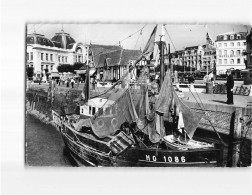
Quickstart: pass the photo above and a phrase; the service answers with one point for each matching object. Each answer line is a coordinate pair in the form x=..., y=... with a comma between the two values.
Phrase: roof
x=97, y=50
x=232, y=33
x=63, y=40
x=38, y=39
x=192, y=47
x=118, y=57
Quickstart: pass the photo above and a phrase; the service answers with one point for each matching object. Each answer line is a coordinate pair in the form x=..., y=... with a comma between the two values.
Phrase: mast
x=87, y=82
x=169, y=57
x=161, y=45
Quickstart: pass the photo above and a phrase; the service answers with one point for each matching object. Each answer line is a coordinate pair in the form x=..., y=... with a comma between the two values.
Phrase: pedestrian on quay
x=67, y=82
x=230, y=86
x=40, y=79
x=72, y=82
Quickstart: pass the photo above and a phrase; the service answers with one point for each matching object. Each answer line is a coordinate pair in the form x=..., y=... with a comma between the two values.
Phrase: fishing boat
x=136, y=129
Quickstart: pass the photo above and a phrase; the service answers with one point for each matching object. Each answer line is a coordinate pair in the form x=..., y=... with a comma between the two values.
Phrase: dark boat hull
x=85, y=153
x=86, y=148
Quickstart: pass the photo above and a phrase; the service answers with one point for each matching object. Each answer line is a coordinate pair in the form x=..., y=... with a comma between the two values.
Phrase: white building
x=43, y=53
x=229, y=52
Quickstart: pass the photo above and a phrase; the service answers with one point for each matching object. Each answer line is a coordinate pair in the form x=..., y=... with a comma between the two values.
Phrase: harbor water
x=44, y=145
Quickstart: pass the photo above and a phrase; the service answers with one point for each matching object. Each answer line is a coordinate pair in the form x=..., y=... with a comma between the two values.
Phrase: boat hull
x=86, y=148
x=84, y=153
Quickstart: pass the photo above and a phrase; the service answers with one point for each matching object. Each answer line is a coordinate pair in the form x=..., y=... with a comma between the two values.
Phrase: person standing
x=40, y=79
x=72, y=82
x=230, y=86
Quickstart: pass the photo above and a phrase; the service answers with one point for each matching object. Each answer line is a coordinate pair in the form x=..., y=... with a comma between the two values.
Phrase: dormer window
x=231, y=37
x=238, y=36
x=225, y=37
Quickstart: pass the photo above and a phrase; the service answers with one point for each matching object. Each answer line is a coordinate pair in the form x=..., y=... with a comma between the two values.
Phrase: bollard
x=236, y=137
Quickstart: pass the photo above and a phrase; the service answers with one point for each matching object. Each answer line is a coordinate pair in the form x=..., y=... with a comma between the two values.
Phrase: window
x=66, y=59
x=51, y=57
x=225, y=61
x=231, y=37
x=51, y=67
x=219, y=44
x=62, y=58
x=225, y=44
x=47, y=57
x=42, y=56
x=238, y=61
x=93, y=111
x=27, y=56
x=220, y=52
x=231, y=61
x=31, y=55
x=220, y=61
x=238, y=52
x=225, y=37
x=225, y=52
x=244, y=43
x=90, y=109
x=238, y=36
x=47, y=67
x=59, y=58
x=232, y=44
x=42, y=67
x=238, y=43
x=231, y=52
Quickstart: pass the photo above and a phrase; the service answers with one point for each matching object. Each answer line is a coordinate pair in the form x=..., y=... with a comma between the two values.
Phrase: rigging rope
x=207, y=117
x=169, y=38
x=120, y=41
x=137, y=40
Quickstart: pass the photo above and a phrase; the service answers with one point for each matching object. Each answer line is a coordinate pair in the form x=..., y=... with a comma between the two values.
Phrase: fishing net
x=117, y=110
x=169, y=102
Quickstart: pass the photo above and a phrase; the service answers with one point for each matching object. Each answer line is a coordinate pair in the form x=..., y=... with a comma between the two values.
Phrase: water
x=44, y=145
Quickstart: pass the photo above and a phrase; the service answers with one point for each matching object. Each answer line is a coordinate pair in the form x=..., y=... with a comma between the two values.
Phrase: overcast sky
x=182, y=35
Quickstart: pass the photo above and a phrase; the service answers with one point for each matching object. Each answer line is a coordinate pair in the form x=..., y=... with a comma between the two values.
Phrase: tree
x=65, y=68
x=69, y=68
x=30, y=72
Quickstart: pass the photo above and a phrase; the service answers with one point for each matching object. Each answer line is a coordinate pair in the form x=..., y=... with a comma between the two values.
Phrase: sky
x=180, y=35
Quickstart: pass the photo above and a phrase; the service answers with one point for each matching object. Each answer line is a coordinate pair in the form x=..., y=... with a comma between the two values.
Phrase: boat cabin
x=93, y=105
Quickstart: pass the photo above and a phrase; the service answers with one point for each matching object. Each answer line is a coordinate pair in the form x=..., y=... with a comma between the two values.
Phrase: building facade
x=249, y=50
x=208, y=59
x=230, y=51
x=195, y=58
x=45, y=55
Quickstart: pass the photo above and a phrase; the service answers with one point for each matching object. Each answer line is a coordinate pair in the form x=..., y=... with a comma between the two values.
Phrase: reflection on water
x=44, y=145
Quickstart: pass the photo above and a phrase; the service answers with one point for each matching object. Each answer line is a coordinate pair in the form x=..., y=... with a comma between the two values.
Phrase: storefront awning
x=80, y=71
x=55, y=74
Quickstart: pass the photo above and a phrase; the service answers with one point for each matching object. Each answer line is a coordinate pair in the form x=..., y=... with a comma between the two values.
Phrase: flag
x=209, y=40
x=149, y=48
